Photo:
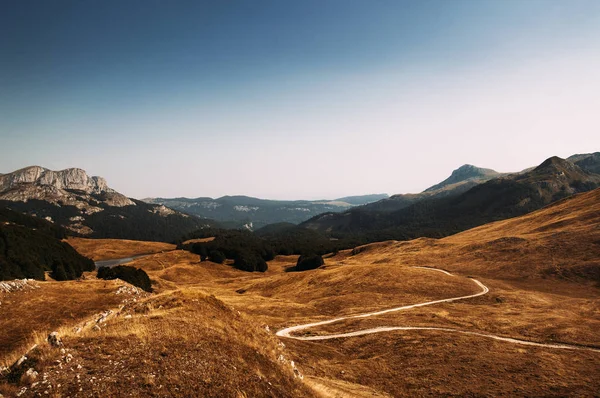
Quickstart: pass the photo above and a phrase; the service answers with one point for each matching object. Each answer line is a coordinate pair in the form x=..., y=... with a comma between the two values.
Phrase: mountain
x=589, y=162
x=499, y=198
x=255, y=213
x=87, y=206
x=30, y=246
x=464, y=174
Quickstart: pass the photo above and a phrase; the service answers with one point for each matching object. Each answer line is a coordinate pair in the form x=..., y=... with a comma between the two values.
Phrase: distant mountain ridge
x=256, y=213
x=497, y=198
x=87, y=206
x=461, y=180
x=464, y=174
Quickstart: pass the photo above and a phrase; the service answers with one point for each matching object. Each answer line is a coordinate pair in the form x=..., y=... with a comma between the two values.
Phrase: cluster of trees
x=136, y=276
x=30, y=246
x=248, y=252
x=308, y=262
x=137, y=222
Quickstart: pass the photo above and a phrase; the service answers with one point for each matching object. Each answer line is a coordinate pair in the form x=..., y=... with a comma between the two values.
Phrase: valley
x=537, y=294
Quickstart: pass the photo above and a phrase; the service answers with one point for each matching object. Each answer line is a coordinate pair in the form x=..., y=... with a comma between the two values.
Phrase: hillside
x=88, y=207
x=589, y=162
x=541, y=270
x=465, y=173
x=461, y=180
x=499, y=198
x=255, y=213
x=30, y=247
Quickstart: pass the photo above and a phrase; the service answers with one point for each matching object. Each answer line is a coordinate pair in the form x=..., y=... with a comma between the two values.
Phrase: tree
x=308, y=262
x=135, y=276
x=217, y=256
x=248, y=261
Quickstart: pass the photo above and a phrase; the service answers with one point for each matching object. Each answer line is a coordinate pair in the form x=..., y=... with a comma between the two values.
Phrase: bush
x=216, y=256
x=135, y=276
x=308, y=262
x=248, y=261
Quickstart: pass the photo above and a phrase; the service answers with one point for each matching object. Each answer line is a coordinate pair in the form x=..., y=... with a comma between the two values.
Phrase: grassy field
x=108, y=249
x=208, y=330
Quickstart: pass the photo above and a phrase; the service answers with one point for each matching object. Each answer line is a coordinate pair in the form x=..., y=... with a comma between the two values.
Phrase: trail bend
x=287, y=332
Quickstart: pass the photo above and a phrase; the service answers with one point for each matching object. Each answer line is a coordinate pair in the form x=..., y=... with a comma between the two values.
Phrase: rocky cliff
x=70, y=186
x=87, y=206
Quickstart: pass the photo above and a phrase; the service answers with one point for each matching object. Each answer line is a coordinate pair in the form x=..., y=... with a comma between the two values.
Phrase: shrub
x=248, y=261
x=308, y=262
x=135, y=276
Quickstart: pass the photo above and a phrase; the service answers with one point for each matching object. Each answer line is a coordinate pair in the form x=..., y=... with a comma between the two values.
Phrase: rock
x=128, y=316
x=96, y=328
x=29, y=376
x=54, y=340
x=104, y=316
x=20, y=361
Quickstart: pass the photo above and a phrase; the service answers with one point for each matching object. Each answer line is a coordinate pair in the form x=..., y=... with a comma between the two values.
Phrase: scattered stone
x=296, y=371
x=54, y=340
x=128, y=316
x=22, y=391
x=29, y=377
x=125, y=289
x=96, y=328
x=20, y=361
x=267, y=328
x=76, y=330
x=104, y=316
x=18, y=284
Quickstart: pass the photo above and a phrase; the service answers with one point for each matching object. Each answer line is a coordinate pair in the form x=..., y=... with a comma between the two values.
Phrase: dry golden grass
x=107, y=249
x=183, y=340
x=199, y=240
x=29, y=315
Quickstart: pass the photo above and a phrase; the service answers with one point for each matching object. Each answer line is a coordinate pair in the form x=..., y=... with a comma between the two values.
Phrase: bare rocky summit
x=87, y=206
x=70, y=186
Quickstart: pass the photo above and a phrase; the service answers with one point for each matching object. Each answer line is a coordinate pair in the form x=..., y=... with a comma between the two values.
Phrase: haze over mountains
x=449, y=208
x=254, y=213
x=470, y=196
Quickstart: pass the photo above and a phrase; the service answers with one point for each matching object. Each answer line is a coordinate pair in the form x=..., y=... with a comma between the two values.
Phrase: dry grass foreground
x=108, y=249
x=179, y=339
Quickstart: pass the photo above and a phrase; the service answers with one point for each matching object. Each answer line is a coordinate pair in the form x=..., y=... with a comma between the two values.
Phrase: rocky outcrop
x=68, y=179
x=71, y=187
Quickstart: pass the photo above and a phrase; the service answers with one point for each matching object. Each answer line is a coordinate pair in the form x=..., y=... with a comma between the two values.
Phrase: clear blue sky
x=295, y=99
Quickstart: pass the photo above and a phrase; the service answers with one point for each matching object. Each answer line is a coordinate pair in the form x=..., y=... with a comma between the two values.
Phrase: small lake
x=116, y=261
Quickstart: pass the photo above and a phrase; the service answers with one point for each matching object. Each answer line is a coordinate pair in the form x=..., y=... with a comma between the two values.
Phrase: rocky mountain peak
x=68, y=179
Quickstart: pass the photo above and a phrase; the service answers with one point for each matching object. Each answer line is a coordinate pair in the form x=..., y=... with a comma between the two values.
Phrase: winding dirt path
x=287, y=332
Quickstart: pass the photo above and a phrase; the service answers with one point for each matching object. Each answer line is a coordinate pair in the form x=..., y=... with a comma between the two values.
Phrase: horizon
x=312, y=199
x=300, y=101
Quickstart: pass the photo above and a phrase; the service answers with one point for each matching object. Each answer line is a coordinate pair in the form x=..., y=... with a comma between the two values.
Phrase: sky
x=311, y=99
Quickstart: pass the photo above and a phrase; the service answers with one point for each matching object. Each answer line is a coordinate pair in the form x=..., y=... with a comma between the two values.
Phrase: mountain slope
x=29, y=247
x=496, y=199
x=87, y=206
x=589, y=162
x=464, y=174
x=561, y=240
x=461, y=180
x=256, y=213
